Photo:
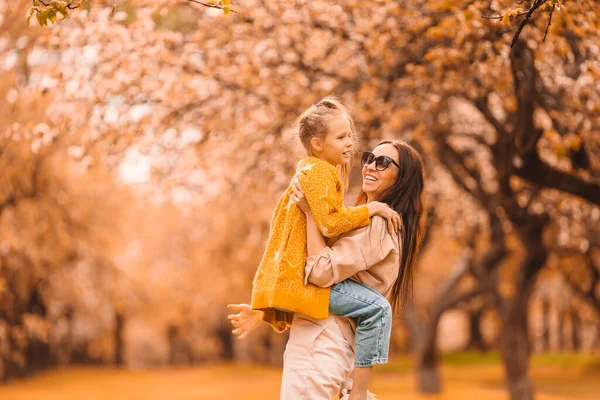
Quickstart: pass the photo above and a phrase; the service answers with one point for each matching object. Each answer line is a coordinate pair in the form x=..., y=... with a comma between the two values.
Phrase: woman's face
x=375, y=182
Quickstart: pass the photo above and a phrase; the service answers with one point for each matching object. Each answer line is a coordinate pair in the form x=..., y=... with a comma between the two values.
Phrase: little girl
x=327, y=133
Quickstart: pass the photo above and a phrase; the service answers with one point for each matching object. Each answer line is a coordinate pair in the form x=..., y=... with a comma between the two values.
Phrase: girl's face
x=375, y=182
x=336, y=146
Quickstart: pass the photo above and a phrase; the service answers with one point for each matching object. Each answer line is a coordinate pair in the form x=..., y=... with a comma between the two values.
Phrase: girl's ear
x=316, y=144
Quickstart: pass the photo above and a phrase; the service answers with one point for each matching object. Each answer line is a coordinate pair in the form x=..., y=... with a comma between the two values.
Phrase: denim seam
x=370, y=363
x=381, y=332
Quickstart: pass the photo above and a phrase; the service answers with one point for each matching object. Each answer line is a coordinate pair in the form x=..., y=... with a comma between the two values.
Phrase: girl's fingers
x=297, y=188
x=235, y=323
x=233, y=316
x=238, y=307
x=297, y=191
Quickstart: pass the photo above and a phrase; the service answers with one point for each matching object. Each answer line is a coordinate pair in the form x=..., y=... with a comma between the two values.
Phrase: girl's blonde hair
x=313, y=123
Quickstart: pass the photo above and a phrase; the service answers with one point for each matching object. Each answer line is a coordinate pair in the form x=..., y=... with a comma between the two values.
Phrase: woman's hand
x=299, y=198
x=244, y=322
x=393, y=218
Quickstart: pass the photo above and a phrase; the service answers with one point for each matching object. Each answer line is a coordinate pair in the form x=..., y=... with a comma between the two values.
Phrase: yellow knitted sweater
x=279, y=288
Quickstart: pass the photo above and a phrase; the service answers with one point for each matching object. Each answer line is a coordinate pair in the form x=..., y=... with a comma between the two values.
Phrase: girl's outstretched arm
x=244, y=322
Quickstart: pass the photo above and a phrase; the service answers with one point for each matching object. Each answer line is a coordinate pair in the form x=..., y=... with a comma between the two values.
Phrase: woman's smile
x=374, y=181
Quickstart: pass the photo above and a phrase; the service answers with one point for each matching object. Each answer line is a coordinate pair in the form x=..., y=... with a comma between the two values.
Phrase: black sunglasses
x=381, y=162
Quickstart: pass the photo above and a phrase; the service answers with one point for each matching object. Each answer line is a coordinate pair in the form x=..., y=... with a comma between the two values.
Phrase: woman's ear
x=316, y=144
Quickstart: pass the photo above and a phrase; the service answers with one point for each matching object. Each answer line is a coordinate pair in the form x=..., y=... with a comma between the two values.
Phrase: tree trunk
x=427, y=370
x=224, y=334
x=412, y=323
x=475, y=338
x=172, y=339
x=37, y=356
x=119, y=339
x=575, y=326
x=9, y=369
x=545, y=324
x=514, y=339
x=37, y=353
x=514, y=348
x=428, y=373
x=562, y=342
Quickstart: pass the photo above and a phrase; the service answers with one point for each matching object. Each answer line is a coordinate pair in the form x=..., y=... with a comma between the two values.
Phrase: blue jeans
x=373, y=315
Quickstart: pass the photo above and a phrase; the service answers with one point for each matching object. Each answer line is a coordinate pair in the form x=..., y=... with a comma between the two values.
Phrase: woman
x=319, y=354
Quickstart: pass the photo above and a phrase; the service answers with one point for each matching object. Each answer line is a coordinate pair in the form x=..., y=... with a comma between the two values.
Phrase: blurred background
x=143, y=145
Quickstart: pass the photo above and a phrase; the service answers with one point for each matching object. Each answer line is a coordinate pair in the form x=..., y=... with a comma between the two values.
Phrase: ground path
x=557, y=378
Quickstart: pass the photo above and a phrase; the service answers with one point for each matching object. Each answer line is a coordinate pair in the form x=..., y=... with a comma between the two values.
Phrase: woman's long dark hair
x=405, y=196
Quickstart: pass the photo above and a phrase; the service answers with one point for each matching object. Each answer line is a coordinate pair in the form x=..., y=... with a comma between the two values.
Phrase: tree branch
x=482, y=105
x=588, y=295
x=549, y=23
x=535, y=6
x=211, y=5
x=455, y=300
x=455, y=164
x=526, y=135
x=536, y=171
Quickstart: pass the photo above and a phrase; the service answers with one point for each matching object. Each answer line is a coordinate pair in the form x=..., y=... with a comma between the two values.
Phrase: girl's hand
x=244, y=322
x=299, y=198
x=393, y=218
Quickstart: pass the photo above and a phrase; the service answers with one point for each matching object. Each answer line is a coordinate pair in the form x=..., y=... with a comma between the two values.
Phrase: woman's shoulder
x=375, y=242
x=376, y=230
